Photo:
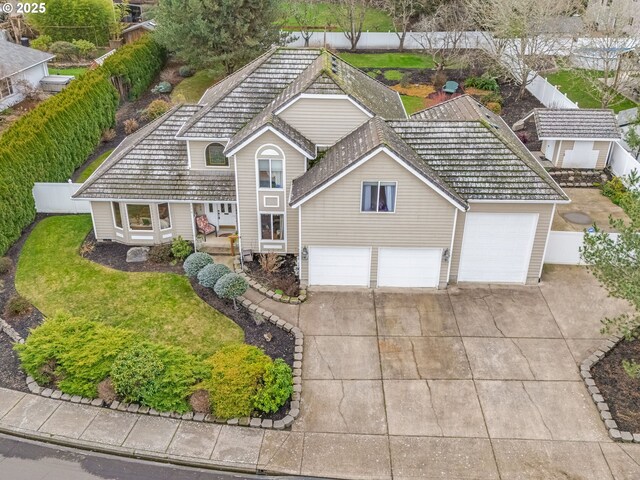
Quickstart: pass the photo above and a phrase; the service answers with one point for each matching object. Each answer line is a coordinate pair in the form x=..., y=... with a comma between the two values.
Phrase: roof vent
x=334, y=65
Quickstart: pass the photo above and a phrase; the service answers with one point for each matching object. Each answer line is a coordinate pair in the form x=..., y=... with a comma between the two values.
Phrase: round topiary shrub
x=186, y=71
x=210, y=274
x=134, y=372
x=196, y=262
x=231, y=286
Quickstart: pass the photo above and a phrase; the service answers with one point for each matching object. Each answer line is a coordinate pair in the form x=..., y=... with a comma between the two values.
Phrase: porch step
x=215, y=250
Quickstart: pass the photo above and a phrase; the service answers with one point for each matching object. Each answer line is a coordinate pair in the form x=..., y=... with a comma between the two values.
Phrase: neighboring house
x=21, y=69
x=576, y=138
x=304, y=154
x=137, y=30
x=605, y=12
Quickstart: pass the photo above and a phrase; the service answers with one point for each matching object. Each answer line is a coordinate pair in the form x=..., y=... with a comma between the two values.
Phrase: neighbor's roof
x=576, y=123
x=16, y=58
x=152, y=165
x=628, y=116
x=357, y=145
x=149, y=25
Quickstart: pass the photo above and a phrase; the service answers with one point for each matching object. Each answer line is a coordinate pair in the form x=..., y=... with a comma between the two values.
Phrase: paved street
x=471, y=383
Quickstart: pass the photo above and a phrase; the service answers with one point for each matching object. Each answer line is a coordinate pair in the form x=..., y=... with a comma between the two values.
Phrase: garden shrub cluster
x=137, y=64
x=209, y=275
x=615, y=190
x=225, y=284
x=87, y=358
x=483, y=82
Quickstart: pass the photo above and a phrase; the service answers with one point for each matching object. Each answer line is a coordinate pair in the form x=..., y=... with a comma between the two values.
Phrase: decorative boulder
x=162, y=87
x=196, y=262
x=137, y=254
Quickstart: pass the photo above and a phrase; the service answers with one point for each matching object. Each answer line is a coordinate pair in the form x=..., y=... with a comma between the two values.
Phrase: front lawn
x=576, y=88
x=412, y=104
x=86, y=173
x=191, y=89
x=375, y=19
x=388, y=60
x=161, y=307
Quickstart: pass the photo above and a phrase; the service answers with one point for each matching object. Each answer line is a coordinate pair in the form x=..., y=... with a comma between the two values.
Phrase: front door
x=226, y=215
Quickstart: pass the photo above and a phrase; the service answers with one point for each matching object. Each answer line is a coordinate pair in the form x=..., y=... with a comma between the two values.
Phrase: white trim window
x=272, y=226
x=6, y=88
x=164, y=214
x=378, y=197
x=270, y=173
x=139, y=217
x=117, y=215
x=214, y=156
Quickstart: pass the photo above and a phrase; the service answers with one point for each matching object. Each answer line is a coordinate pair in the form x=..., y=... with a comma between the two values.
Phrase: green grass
x=412, y=104
x=576, y=88
x=191, y=89
x=67, y=71
x=388, y=60
x=93, y=166
x=393, y=75
x=162, y=307
x=375, y=20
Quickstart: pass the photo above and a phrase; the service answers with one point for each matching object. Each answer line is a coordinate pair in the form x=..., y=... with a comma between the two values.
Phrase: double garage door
x=397, y=267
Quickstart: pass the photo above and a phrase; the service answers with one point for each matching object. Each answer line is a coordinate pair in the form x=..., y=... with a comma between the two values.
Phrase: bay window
x=272, y=226
x=378, y=197
x=165, y=217
x=117, y=214
x=139, y=217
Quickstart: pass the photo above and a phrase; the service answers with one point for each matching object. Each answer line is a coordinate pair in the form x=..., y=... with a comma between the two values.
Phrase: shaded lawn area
x=192, y=88
x=388, y=60
x=375, y=19
x=412, y=104
x=576, y=89
x=67, y=71
x=86, y=173
x=160, y=306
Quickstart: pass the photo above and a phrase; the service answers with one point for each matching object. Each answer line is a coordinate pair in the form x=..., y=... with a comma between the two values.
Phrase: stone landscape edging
x=255, y=422
x=603, y=407
x=258, y=287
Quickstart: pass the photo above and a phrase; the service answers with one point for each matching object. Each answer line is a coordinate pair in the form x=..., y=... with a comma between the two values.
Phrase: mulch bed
x=11, y=374
x=284, y=278
x=621, y=392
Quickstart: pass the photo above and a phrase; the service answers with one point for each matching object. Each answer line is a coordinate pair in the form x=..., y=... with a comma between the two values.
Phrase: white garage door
x=339, y=266
x=497, y=247
x=409, y=267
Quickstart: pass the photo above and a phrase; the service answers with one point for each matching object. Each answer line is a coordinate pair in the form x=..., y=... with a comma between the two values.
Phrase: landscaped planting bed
x=283, y=280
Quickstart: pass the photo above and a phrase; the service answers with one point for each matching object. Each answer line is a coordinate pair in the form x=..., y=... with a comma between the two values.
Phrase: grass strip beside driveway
x=161, y=306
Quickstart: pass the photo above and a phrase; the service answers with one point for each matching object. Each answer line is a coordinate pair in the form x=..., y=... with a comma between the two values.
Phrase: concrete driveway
x=475, y=382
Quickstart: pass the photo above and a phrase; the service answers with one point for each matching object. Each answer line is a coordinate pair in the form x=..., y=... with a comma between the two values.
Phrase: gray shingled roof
x=152, y=165
x=575, y=123
x=355, y=146
x=16, y=58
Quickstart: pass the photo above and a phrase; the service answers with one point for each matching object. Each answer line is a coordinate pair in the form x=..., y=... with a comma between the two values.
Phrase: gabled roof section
x=16, y=58
x=234, y=101
x=152, y=165
x=148, y=25
x=355, y=147
x=576, y=123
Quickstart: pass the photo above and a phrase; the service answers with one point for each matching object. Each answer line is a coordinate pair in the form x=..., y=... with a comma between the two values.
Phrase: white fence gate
x=564, y=247
x=56, y=198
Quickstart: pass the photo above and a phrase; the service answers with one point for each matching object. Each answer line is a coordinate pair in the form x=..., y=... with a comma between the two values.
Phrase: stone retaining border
x=287, y=421
x=302, y=296
x=596, y=396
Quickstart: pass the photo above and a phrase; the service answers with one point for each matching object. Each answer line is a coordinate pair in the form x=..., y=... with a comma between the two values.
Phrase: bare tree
x=350, y=15
x=402, y=13
x=610, y=66
x=450, y=20
x=306, y=14
x=520, y=33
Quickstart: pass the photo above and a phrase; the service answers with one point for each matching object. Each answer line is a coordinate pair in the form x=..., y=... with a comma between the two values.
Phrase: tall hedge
x=136, y=65
x=48, y=144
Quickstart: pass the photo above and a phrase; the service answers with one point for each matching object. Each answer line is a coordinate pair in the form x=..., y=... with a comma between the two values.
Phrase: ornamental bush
x=43, y=42
x=209, y=275
x=231, y=286
x=196, y=262
x=85, y=48
x=277, y=387
x=135, y=371
x=181, y=248
x=64, y=50
x=484, y=82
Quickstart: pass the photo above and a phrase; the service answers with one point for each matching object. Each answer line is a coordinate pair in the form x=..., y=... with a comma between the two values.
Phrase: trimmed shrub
x=156, y=109
x=181, y=248
x=236, y=375
x=231, y=286
x=136, y=65
x=160, y=253
x=17, y=305
x=186, y=71
x=85, y=48
x=196, y=262
x=135, y=371
x=5, y=265
x=277, y=387
x=64, y=50
x=209, y=275
x=43, y=42
x=162, y=87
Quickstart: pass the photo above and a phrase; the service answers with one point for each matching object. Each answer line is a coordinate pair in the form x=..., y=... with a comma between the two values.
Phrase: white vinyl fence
x=564, y=248
x=548, y=94
x=56, y=198
x=622, y=162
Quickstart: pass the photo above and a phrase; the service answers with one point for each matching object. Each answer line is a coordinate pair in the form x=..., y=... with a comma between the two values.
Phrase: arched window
x=215, y=156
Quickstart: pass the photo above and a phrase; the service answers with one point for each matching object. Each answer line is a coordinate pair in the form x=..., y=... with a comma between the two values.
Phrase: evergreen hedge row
x=137, y=64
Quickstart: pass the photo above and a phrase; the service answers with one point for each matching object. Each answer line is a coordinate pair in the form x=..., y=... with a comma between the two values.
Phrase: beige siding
x=562, y=146
x=422, y=218
x=603, y=153
x=324, y=121
x=181, y=220
x=248, y=191
x=537, y=255
x=197, y=151
x=103, y=220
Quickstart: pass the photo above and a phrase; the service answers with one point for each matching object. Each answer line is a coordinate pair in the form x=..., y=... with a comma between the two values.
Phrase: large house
x=303, y=154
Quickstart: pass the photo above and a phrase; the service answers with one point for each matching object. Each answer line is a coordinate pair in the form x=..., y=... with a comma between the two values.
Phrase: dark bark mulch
x=620, y=391
x=284, y=278
x=514, y=109
x=11, y=374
